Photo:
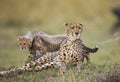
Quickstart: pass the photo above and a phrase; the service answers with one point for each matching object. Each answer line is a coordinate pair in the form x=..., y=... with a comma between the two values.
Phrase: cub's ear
x=19, y=38
x=65, y=24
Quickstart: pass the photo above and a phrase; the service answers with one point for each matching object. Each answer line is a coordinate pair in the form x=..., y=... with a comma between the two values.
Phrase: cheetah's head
x=23, y=42
x=74, y=30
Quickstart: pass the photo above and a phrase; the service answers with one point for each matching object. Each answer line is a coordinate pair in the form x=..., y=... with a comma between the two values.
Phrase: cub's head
x=24, y=43
x=74, y=30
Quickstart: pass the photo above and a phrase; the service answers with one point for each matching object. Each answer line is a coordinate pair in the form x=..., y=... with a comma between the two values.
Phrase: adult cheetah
x=70, y=51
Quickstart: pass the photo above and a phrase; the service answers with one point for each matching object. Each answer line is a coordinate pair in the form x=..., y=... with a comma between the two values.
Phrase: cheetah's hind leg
x=79, y=65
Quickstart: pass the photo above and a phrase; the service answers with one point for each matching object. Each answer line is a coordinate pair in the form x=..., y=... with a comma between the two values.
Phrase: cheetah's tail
x=92, y=50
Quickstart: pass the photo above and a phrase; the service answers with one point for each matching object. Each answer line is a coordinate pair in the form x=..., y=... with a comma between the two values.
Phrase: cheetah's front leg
x=41, y=49
x=31, y=57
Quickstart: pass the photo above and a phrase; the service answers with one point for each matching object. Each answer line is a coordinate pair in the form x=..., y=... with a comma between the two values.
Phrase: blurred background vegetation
x=17, y=17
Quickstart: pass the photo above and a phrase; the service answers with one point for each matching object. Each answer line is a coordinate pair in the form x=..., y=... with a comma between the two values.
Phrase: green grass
x=49, y=16
x=103, y=61
x=90, y=72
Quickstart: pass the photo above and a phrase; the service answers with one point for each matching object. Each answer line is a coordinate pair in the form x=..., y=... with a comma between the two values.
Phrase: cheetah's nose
x=76, y=33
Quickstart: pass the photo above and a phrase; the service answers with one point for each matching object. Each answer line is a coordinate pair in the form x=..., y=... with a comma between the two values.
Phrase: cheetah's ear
x=65, y=24
x=81, y=24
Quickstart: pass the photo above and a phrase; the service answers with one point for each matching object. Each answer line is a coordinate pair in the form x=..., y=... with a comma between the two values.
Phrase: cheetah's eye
x=79, y=27
x=24, y=43
x=72, y=27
